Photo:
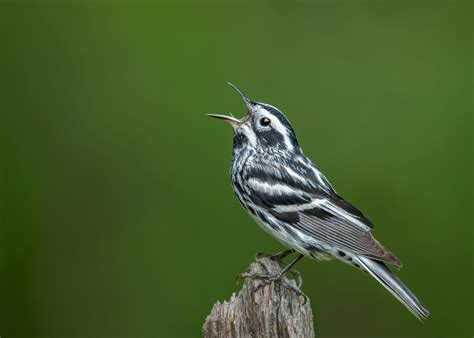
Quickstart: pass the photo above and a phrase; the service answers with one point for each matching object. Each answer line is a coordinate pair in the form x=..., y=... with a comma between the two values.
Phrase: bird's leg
x=267, y=278
x=289, y=266
x=278, y=256
x=276, y=277
x=297, y=277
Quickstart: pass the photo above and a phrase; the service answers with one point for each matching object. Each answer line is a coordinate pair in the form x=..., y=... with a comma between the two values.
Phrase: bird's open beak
x=232, y=120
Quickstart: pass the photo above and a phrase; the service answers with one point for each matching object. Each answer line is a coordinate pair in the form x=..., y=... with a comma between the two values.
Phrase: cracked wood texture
x=273, y=310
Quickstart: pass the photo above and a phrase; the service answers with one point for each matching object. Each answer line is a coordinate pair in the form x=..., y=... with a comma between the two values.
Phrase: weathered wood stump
x=272, y=310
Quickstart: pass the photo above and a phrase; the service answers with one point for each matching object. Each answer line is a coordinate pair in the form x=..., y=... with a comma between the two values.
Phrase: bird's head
x=264, y=127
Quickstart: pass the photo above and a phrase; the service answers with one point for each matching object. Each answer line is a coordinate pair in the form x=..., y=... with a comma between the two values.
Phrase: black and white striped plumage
x=292, y=200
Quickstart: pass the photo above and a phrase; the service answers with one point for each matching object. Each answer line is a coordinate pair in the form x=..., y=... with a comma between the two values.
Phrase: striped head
x=264, y=128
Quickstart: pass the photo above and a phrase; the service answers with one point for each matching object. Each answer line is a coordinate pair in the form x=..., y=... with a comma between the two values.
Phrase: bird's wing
x=297, y=180
x=301, y=197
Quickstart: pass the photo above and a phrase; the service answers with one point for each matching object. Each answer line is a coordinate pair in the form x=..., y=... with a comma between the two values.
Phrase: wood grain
x=273, y=310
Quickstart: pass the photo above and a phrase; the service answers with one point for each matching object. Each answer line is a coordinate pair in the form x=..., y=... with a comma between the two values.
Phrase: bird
x=292, y=200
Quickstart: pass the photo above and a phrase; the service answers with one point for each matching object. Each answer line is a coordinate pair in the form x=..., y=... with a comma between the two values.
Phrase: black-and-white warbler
x=292, y=200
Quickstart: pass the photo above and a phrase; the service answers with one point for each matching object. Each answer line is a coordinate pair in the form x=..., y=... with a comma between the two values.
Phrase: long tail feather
x=391, y=282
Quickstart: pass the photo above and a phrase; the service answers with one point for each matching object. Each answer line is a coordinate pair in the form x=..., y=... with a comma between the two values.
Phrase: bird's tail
x=382, y=274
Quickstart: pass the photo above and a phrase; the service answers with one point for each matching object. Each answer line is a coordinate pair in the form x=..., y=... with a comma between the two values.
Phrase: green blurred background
x=117, y=213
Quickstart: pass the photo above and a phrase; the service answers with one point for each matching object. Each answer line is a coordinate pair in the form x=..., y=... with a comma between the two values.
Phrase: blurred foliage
x=117, y=216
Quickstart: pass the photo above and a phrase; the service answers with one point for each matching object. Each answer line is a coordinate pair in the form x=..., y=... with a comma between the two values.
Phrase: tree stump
x=273, y=310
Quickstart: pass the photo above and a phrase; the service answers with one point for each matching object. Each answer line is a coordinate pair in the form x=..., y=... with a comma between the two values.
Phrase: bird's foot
x=277, y=280
x=297, y=277
x=278, y=257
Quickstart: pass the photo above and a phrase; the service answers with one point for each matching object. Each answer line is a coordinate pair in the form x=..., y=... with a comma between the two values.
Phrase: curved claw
x=297, y=277
x=266, y=279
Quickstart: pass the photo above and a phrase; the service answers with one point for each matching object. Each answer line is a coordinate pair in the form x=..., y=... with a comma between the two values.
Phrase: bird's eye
x=264, y=121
